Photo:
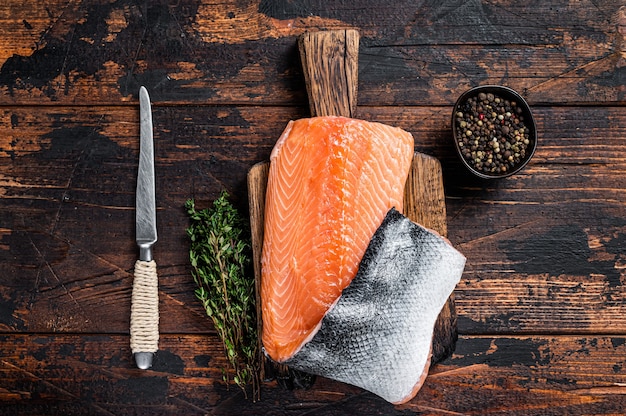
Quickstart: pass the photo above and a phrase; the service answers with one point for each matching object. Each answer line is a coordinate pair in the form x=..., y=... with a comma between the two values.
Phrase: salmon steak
x=331, y=182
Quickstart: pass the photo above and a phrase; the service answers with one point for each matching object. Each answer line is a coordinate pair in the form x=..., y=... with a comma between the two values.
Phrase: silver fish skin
x=378, y=335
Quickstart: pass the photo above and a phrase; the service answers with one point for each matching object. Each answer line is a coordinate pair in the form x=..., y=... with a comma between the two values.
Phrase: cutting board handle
x=330, y=62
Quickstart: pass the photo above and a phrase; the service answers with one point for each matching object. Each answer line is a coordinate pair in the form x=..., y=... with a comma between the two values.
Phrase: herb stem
x=219, y=256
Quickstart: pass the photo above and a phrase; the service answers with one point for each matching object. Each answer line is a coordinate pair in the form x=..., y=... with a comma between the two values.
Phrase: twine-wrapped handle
x=144, y=313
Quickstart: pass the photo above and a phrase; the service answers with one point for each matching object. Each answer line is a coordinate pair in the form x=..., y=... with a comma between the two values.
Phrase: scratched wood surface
x=540, y=307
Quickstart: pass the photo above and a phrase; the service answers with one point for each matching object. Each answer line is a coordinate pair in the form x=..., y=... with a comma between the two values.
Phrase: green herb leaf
x=220, y=255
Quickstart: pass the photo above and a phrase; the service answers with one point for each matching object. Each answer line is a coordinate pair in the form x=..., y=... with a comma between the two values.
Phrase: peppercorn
x=491, y=131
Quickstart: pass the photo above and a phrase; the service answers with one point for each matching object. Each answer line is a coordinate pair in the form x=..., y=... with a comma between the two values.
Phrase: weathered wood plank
x=528, y=375
x=44, y=374
x=202, y=51
x=330, y=66
x=544, y=247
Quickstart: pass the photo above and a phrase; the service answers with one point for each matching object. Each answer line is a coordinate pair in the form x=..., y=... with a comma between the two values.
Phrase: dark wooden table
x=541, y=306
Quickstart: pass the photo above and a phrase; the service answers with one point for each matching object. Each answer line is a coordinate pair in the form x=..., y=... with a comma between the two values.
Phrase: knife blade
x=144, y=316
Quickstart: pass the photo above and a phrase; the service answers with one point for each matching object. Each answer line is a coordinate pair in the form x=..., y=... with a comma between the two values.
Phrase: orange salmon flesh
x=331, y=182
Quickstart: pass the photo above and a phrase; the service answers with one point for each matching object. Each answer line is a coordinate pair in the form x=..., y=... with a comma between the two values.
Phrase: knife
x=144, y=312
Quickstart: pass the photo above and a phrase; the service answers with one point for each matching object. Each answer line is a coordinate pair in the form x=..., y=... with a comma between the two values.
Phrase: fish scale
x=378, y=335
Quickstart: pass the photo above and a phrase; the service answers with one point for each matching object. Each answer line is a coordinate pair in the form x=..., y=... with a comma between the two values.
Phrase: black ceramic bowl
x=494, y=131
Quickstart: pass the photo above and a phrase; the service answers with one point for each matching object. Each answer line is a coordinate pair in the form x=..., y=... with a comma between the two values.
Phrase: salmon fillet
x=378, y=336
x=331, y=182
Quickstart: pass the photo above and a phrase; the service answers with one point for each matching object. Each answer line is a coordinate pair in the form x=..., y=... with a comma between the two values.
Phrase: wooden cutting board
x=330, y=65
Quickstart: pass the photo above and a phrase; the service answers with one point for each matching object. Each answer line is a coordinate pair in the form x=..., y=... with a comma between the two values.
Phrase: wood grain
x=540, y=308
x=257, y=186
x=234, y=52
x=424, y=203
x=68, y=173
x=46, y=374
x=330, y=66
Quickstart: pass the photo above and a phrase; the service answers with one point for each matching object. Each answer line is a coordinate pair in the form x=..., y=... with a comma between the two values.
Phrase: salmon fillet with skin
x=378, y=336
x=331, y=182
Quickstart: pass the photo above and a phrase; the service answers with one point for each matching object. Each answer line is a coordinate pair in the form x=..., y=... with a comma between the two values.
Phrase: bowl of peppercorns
x=494, y=131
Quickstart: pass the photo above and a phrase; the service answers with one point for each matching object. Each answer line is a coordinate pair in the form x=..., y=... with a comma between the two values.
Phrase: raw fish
x=331, y=182
x=379, y=334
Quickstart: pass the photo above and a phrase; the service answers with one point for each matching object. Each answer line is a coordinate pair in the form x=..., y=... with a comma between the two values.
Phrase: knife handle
x=144, y=313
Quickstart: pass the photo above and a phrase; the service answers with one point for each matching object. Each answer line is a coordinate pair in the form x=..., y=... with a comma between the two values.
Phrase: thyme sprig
x=220, y=256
